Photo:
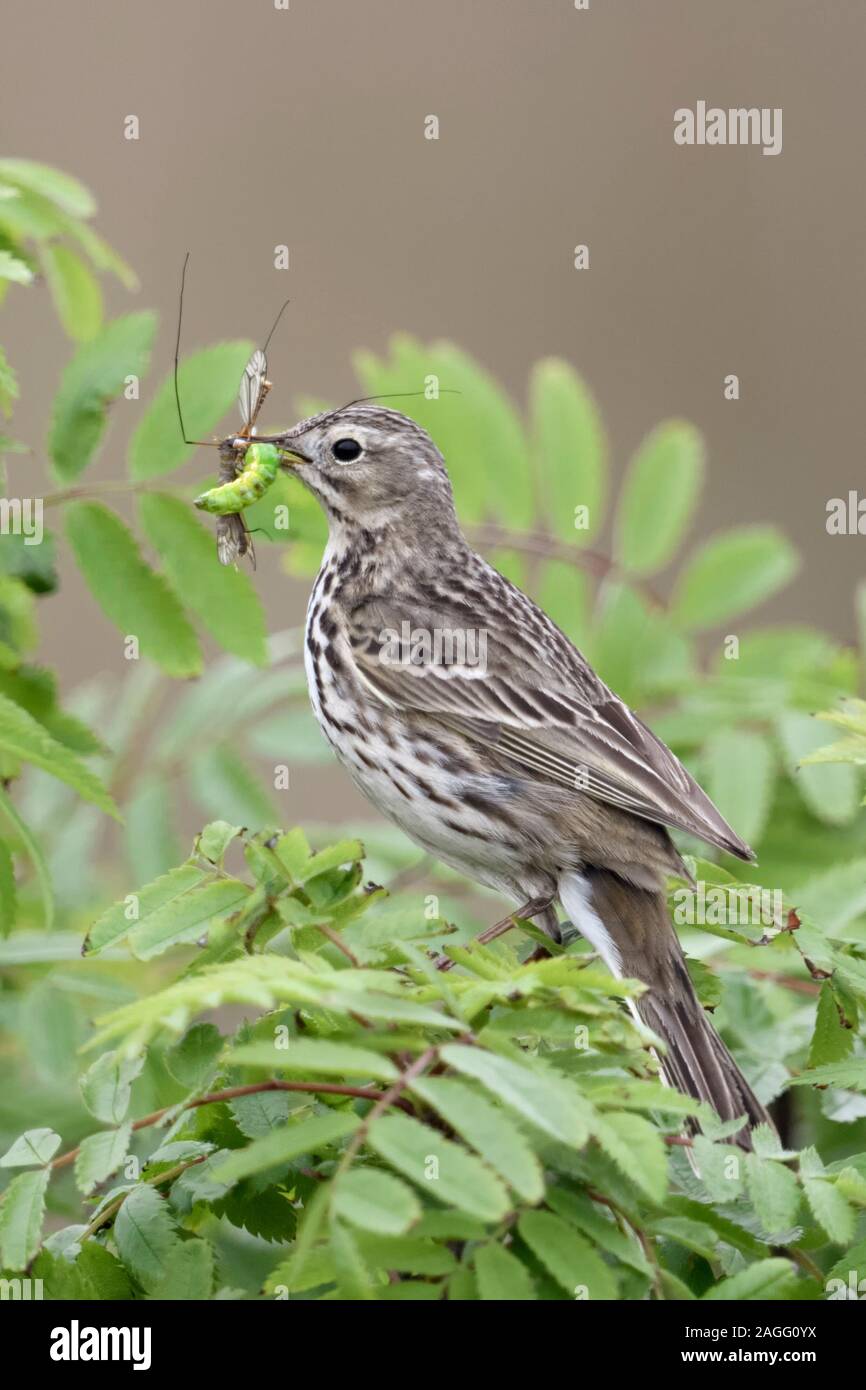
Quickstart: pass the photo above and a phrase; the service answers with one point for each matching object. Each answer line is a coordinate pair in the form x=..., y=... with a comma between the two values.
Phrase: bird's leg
x=533, y=908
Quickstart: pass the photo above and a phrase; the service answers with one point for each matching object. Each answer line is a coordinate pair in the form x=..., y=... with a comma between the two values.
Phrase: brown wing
x=542, y=707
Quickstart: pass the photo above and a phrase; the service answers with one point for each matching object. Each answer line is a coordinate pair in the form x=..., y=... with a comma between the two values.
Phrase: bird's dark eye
x=345, y=450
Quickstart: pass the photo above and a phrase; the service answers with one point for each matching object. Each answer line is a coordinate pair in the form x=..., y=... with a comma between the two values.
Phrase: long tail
x=632, y=931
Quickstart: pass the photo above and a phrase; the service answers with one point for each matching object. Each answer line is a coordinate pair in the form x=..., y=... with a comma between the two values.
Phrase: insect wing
x=252, y=388
x=233, y=540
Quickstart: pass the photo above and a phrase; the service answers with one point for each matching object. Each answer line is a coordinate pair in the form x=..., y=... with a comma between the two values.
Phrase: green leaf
x=8, y=891
x=830, y=1209
x=21, y=1218
x=75, y=291
x=658, y=498
x=571, y=1260
x=146, y=1237
x=192, y=1060
x=215, y=839
x=375, y=1201
x=407, y=1254
x=720, y=1167
x=188, y=1274
x=15, y=270
x=9, y=390
x=830, y=790
x=849, y=1076
x=766, y=1280
x=136, y=908
x=221, y=596
x=61, y=189
x=832, y=1039
x=439, y=1167
x=501, y=1276
x=638, y=1150
x=186, y=917
x=487, y=1130
x=208, y=387
x=106, y=1086
x=35, y=1146
x=731, y=573
x=549, y=1102
x=135, y=599
x=570, y=448
x=739, y=777
x=775, y=1193
x=343, y=852
x=282, y=1145
x=22, y=737
x=34, y=854
x=100, y=1155
x=94, y=377
x=316, y=1056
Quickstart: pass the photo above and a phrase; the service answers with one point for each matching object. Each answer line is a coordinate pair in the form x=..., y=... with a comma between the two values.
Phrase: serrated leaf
x=106, y=1086
x=188, y=1274
x=185, y=918
x=849, y=1075
x=315, y=1056
x=208, y=387
x=570, y=448
x=21, y=1218
x=549, y=1102
x=439, y=1167
x=35, y=1146
x=94, y=377
x=221, y=596
x=774, y=1191
x=132, y=596
x=658, y=497
x=100, y=1155
x=572, y=1261
x=135, y=909
x=501, y=1276
x=486, y=1129
x=406, y=1254
x=720, y=1167
x=732, y=573
x=638, y=1150
x=375, y=1201
x=830, y=1209
x=831, y=1041
x=22, y=737
x=146, y=1236
x=215, y=839
x=192, y=1060
x=282, y=1145
x=75, y=291
x=765, y=1280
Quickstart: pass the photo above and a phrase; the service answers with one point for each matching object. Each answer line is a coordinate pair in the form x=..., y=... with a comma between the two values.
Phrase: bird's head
x=370, y=468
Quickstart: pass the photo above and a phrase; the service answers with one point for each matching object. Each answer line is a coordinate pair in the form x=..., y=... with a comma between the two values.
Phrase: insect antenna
x=273, y=329
x=389, y=395
x=206, y=442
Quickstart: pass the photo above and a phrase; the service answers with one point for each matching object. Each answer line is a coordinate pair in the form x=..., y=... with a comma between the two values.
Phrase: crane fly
x=247, y=466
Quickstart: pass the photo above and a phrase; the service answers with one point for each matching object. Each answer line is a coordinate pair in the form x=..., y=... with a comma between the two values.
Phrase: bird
x=467, y=717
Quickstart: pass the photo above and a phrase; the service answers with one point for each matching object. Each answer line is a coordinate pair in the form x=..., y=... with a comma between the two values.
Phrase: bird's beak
x=290, y=458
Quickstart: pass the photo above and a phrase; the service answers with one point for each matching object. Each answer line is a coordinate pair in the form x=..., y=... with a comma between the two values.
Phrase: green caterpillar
x=261, y=466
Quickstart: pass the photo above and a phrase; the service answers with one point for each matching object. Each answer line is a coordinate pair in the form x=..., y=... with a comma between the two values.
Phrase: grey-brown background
x=305, y=127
